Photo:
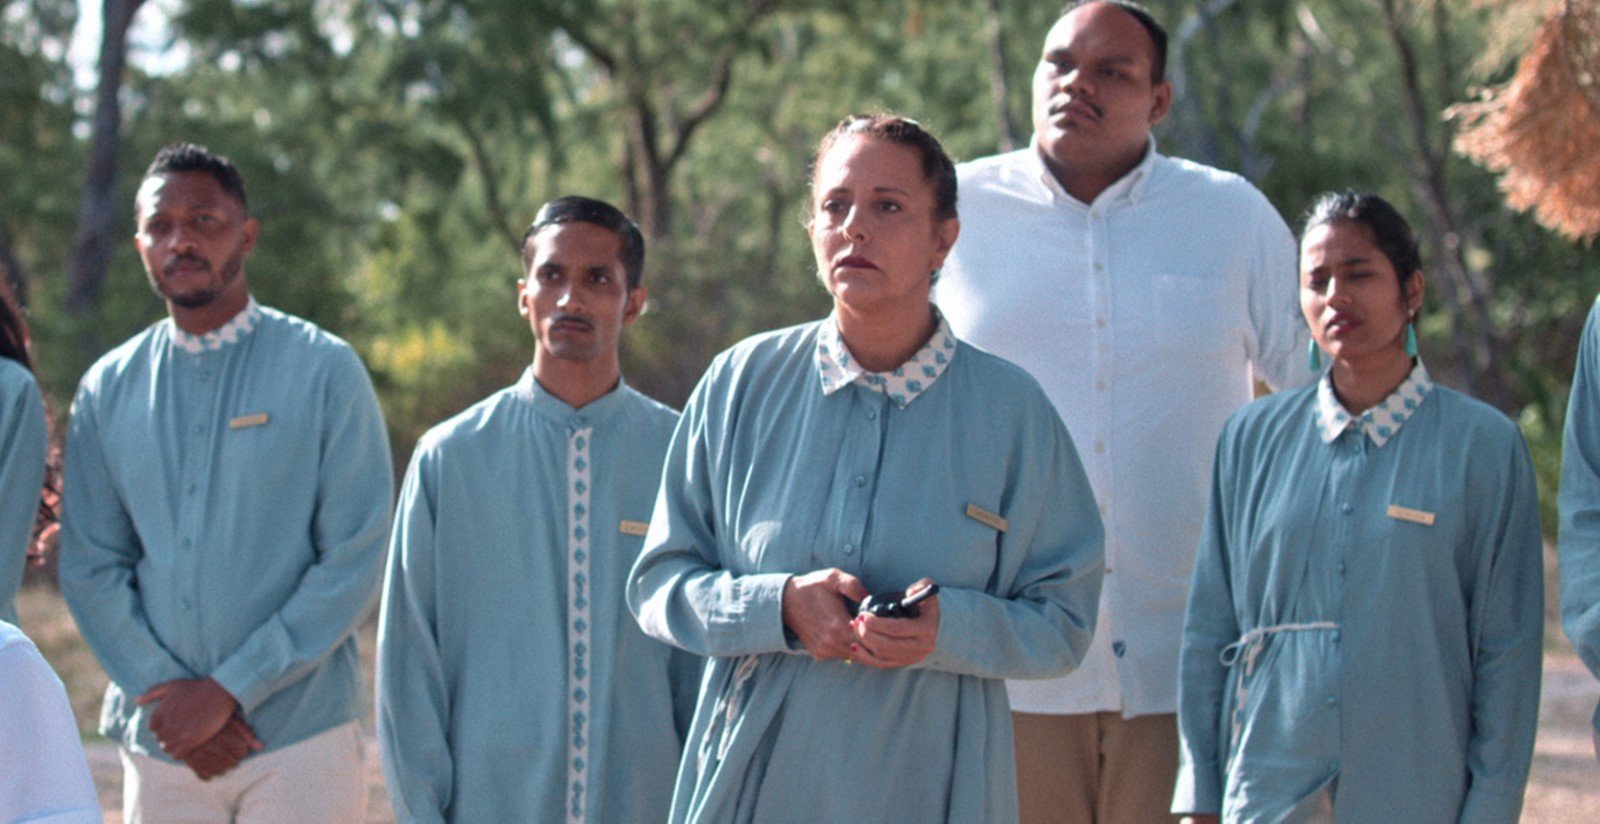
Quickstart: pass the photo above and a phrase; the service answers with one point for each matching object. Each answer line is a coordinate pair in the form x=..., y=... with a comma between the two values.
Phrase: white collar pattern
x=902, y=385
x=1381, y=422
x=228, y=333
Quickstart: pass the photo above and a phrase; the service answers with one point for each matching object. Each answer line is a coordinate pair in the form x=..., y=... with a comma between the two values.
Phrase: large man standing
x=1141, y=291
x=227, y=493
x=512, y=683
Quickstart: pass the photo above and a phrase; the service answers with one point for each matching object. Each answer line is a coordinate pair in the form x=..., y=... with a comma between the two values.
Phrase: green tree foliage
x=396, y=149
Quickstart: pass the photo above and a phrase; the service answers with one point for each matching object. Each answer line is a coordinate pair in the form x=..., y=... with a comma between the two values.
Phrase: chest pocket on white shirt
x=1191, y=312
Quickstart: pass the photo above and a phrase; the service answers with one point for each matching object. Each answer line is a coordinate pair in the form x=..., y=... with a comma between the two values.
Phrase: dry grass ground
x=1564, y=789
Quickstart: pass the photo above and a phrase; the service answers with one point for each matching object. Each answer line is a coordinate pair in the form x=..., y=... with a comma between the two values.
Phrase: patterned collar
x=1381, y=422
x=231, y=332
x=903, y=385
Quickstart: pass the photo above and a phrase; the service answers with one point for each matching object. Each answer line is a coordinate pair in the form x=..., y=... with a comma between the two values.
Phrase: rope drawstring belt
x=728, y=705
x=1248, y=648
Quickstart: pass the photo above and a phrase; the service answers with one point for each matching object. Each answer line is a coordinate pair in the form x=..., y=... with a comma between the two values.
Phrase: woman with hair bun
x=870, y=453
x=1363, y=633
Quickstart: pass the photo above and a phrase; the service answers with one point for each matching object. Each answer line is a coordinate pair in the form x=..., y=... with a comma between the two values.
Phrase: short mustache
x=565, y=318
x=178, y=260
x=1087, y=104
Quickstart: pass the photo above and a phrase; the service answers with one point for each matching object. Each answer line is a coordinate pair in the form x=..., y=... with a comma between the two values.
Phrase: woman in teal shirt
x=870, y=452
x=1363, y=633
x=23, y=446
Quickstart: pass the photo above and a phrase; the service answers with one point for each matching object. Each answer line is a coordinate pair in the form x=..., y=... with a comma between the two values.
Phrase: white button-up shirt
x=1145, y=315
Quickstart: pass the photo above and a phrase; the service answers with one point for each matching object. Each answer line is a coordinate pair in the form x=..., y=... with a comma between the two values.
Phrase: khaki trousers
x=1098, y=767
x=320, y=779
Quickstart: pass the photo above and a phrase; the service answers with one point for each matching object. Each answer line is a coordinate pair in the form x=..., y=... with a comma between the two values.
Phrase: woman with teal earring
x=1363, y=632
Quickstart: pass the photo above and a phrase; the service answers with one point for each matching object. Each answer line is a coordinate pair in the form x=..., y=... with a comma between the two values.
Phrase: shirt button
x=1332, y=701
x=1333, y=766
x=1099, y=447
x=1340, y=566
x=860, y=480
x=849, y=549
x=1102, y=509
x=193, y=488
x=1099, y=267
x=1336, y=637
x=184, y=603
x=872, y=414
x=1100, y=385
x=1100, y=323
x=1346, y=508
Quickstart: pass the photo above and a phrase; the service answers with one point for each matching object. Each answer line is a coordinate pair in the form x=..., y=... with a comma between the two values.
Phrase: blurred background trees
x=396, y=149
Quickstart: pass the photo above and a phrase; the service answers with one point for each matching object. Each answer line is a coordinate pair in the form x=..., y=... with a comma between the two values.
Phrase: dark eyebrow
x=1120, y=59
x=1349, y=261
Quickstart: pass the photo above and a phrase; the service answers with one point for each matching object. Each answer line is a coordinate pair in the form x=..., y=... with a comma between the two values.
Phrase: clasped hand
x=196, y=721
x=814, y=609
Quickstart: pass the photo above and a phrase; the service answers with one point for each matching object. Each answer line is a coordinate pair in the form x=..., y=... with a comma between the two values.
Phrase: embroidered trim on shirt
x=237, y=327
x=903, y=385
x=1381, y=422
x=578, y=621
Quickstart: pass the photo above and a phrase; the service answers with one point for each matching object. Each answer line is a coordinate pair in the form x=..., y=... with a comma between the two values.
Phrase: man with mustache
x=228, y=482
x=1143, y=292
x=513, y=685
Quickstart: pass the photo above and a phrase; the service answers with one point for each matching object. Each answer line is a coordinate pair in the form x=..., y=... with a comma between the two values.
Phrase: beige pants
x=320, y=779
x=1099, y=767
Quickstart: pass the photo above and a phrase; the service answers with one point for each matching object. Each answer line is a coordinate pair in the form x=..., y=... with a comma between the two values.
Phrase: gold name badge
x=985, y=517
x=1415, y=516
x=247, y=421
x=639, y=528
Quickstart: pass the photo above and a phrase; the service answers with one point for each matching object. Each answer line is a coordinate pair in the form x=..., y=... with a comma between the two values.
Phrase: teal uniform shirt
x=224, y=517
x=1366, y=614
x=967, y=477
x=22, y=455
x=1580, y=503
x=512, y=683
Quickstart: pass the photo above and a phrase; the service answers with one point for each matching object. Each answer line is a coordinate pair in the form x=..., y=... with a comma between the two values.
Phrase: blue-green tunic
x=22, y=455
x=1580, y=504
x=512, y=683
x=1366, y=613
x=226, y=503
x=770, y=476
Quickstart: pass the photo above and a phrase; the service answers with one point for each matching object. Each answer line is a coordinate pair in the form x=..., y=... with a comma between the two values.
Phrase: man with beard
x=513, y=685
x=228, y=486
x=1143, y=292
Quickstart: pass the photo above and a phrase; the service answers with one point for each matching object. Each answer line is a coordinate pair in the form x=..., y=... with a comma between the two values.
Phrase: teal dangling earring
x=1411, y=338
x=1314, y=356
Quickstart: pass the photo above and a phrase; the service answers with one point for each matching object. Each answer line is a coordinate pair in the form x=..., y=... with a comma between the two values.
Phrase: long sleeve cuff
x=1197, y=789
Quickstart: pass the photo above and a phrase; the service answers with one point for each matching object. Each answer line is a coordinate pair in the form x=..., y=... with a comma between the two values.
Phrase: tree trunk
x=1476, y=341
x=91, y=247
x=997, y=66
